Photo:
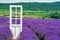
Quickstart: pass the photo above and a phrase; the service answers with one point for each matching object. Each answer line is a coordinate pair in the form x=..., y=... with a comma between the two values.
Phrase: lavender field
x=33, y=29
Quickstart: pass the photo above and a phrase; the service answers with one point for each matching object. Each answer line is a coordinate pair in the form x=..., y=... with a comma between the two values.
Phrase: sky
x=13, y=1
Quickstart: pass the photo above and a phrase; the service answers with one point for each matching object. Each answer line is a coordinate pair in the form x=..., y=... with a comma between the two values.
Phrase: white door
x=15, y=20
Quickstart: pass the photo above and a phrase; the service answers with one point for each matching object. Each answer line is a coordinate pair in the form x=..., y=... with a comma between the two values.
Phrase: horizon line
x=29, y=2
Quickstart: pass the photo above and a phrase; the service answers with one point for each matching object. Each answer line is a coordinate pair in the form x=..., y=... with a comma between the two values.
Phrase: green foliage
x=55, y=15
x=42, y=10
x=34, y=6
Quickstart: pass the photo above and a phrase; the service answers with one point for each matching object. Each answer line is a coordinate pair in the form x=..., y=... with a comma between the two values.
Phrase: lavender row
x=41, y=28
x=50, y=29
x=27, y=34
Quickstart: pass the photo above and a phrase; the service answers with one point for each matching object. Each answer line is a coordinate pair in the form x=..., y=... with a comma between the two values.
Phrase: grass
x=29, y=14
x=37, y=14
